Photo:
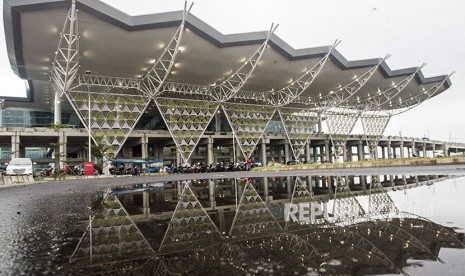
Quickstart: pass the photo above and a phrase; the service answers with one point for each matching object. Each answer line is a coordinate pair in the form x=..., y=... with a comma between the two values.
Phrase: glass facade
x=34, y=118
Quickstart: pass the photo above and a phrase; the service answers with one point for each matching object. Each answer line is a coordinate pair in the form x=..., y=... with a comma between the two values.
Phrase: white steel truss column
x=289, y=93
x=298, y=125
x=65, y=66
x=229, y=88
x=153, y=81
x=374, y=125
x=190, y=226
x=248, y=123
x=186, y=121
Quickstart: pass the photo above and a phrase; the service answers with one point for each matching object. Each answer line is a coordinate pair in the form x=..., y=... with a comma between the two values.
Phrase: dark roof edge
x=12, y=9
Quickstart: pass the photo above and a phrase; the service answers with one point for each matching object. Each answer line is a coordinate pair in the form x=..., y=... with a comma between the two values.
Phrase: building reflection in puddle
x=254, y=226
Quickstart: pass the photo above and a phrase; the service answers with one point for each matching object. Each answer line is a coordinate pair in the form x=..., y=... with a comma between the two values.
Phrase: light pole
x=89, y=117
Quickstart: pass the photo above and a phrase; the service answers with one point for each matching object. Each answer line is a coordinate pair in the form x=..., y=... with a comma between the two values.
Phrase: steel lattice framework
x=340, y=125
x=154, y=79
x=229, y=88
x=302, y=195
x=292, y=91
x=186, y=121
x=253, y=218
x=66, y=63
x=190, y=225
x=346, y=209
x=248, y=123
x=128, y=98
x=373, y=127
x=111, y=239
x=298, y=126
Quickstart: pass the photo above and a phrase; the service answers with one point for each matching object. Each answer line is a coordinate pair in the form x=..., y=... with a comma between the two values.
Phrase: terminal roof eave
x=14, y=36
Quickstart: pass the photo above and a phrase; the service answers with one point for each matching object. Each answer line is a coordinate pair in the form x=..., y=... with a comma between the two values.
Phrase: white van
x=20, y=166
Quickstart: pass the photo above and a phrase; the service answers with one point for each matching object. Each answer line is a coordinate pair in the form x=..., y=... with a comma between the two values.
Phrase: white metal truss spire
x=298, y=125
x=229, y=88
x=373, y=128
x=425, y=94
x=190, y=226
x=153, y=81
x=381, y=98
x=66, y=63
x=253, y=218
x=186, y=121
x=341, y=95
x=292, y=91
x=248, y=123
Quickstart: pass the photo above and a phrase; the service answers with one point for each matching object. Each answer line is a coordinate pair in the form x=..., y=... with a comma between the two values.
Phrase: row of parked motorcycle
x=203, y=168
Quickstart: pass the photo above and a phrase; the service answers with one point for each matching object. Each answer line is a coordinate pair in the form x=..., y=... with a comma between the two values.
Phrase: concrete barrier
x=6, y=180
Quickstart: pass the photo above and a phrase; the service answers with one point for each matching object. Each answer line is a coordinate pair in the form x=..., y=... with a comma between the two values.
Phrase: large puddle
x=340, y=225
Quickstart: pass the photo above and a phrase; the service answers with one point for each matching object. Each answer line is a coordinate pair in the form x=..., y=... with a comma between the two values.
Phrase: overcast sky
x=413, y=31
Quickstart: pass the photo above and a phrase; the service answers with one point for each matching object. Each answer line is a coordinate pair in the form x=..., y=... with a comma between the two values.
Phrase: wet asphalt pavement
x=41, y=223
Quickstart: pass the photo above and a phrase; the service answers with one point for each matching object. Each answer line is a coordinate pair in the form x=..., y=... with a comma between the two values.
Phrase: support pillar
x=307, y=152
x=344, y=152
x=222, y=227
x=315, y=154
x=383, y=152
x=62, y=142
x=57, y=109
x=402, y=149
x=286, y=153
x=445, y=150
x=15, y=145
x=263, y=152
x=389, y=149
x=217, y=121
x=145, y=147
x=266, y=192
x=209, y=151
x=178, y=159
x=320, y=129
x=360, y=151
x=211, y=193
x=146, y=203
x=424, y=149
x=327, y=154
x=375, y=155
x=434, y=150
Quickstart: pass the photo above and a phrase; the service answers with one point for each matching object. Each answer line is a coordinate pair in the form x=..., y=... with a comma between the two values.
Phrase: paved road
x=40, y=224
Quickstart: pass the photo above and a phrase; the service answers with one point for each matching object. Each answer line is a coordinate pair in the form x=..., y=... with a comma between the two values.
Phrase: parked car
x=20, y=166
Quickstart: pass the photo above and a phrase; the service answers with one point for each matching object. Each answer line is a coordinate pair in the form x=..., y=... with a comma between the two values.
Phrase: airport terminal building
x=169, y=86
